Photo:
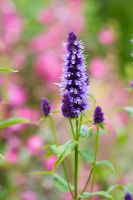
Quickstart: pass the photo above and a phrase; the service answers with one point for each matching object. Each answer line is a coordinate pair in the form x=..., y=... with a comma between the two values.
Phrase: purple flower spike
x=45, y=107
x=131, y=83
x=98, y=116
x=75, y=79
x=128, y=196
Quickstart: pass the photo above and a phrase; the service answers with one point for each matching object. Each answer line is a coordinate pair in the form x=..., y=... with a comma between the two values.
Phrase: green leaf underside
x=86, y=132
x=117, y=186
x=100, y=193
x=7, y=70
x=89, y=157
x=64, y=151
x=61, y=184
x=13, y=121
x=129, y=109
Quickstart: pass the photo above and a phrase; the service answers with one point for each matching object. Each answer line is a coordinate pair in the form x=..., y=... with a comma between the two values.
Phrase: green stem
x=71, y=125
x=56, y=142
x=67, y=178
x=95, y=157
x=87, y=182
x=76, y=163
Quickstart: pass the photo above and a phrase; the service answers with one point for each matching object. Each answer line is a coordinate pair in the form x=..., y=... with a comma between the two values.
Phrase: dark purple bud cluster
x=128, y=196
x=75, y=79
x=45, y=107
x=98, y=116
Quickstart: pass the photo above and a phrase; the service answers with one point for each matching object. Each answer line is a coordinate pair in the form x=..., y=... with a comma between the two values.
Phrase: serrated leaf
x=7, y=70
x=13, y=121
x=100, y=193
x=64, y=151
x=113, y=187
x=129, y=109
x=86, y=132
x=61, y=184
x=89, y=157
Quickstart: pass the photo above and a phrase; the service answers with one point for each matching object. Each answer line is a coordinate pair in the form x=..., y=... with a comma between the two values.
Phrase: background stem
x=95, y=157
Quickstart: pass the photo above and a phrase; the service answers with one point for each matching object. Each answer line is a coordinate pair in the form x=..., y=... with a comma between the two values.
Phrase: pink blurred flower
x=48, y=66
x=34, y=144
x=98, y=67
x=24, y=112
x=19, y=59
x=29, y=195
x=50, y=162
x=67, y=196
x=45, y=16
x=106, y=36
x=11, y=23
x=12, y=156
x=17, y=95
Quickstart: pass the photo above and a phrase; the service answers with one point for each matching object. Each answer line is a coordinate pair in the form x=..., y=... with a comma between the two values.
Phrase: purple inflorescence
x=128, y=196
x=75, y=80
x=98, y=116
x=131, y=83
x=45, y=107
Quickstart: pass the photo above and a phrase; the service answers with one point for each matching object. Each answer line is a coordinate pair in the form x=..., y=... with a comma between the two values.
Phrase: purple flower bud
x=128, y=196
x=75, y=79
x=98, y=116
x=131, y=83
x=45, y=107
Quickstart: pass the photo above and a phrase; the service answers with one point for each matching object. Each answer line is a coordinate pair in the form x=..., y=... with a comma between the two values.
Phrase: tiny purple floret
x=131, y=83
x=45, y=107
x=98, y=116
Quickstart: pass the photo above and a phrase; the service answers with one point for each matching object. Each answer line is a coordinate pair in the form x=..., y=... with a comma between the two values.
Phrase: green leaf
x=64, y=151
x=13, y=121
x=100, y=193
x=106, y=163
x=61, y=184
x=86, y=132
x=129, y=109
x=44, y=172
x=129, y=188
x=54, y=148
x=89, y=157
x=113, y=187
x=7, y=70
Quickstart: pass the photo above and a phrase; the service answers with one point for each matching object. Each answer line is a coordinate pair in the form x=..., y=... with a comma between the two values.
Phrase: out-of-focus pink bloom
x=67, y=196
x=29, y=195
x=48, y=66
x=98, y=67
x=106, y=36
x=34, y=144
x=46, y=16
x=50, y=162
x=17, y=95
x=19, y=60
x=12, y=156
x=11, y=23
x=25, y=112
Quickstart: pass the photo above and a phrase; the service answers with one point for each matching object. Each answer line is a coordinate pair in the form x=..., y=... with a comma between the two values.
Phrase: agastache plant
x=74, y=91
